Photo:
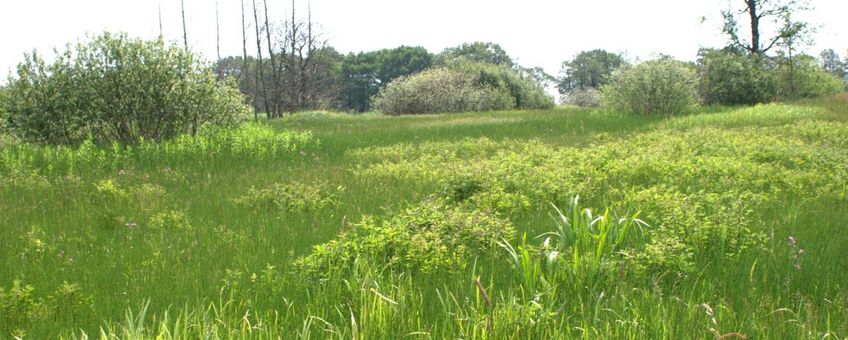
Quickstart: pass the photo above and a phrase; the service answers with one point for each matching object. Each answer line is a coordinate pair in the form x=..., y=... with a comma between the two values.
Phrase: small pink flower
x=122, y=172
x=797, y=266
x=792, y=241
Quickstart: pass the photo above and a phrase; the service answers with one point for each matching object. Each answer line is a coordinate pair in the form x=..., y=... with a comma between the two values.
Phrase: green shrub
x=431, y=237
x=660, y=87
x=4, y=108
x=117, y=89
x=730, y=78
x=525, y=92
x=802, y=77
x=290, y=196
x=439, y=90
x=20, y=308
x=587, y=97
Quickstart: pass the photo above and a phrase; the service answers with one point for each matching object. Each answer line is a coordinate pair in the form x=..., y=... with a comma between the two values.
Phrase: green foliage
x=430, y=237
x=364, y=74
x=250, y=142
x=439, y=90
x=4, y=108
x=289, y=196
x=833, y=64
x=802, y=77
x=19, y=307
x=700, y=189
x=588, y=97
x=588, y=70
x=742, y=208
x=590, y=247
x=526, y=92
x=482, y=52
x=661, y=87
x=174, y=220
x=117, y=89
x=731, y=78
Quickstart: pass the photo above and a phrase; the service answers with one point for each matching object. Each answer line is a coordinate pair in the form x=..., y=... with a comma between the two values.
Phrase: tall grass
x=738, y=231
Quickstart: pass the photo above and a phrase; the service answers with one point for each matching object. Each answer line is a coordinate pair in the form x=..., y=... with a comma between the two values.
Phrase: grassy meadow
x=566, y=223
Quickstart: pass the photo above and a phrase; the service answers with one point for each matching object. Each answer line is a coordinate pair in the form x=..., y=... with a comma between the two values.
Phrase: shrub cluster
x=526, y=93
x=660, y=87
x=462, y=86
x=114, y=88
x=439, y=90
x=431, y=237
x=802, y=77
x=733, y=78
x=586, y=97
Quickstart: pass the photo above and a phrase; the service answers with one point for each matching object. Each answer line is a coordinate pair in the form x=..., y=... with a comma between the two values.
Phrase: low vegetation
x=561, y=223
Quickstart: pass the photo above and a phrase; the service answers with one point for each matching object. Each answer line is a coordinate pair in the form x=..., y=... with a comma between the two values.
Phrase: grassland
x=724, y=224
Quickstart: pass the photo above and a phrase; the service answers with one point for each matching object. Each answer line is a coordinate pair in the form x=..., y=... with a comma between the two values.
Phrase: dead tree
x=260, y=79
x=275, y=98
x=304, y=45
x=160, y=20
x=185, y=32
x=245, y=68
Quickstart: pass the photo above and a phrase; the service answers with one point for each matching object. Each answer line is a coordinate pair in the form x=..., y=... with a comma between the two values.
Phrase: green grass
x=682, y=229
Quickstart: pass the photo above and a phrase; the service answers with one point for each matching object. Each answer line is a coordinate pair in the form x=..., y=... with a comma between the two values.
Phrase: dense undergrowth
x=553, y=224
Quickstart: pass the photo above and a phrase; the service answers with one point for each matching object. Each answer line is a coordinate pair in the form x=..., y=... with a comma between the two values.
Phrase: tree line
x=760, y=62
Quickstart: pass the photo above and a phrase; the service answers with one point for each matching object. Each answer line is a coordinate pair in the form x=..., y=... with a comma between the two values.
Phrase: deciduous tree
x=767, y=22
x=588, y=69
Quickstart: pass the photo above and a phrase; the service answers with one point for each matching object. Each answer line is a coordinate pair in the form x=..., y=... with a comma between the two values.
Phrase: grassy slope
x=232, y=262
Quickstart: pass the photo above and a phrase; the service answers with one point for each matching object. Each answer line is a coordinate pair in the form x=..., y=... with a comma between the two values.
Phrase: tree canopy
x=588, y=69
x=364, y=74
x=486, y=52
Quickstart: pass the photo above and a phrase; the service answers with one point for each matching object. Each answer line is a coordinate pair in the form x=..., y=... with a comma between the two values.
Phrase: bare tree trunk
x=245, y=68
x=276, y=79
x=755, y=26
x=260, y=81
x=160, y=20
x=217, y=31
x=218, y=41
x=185, y=33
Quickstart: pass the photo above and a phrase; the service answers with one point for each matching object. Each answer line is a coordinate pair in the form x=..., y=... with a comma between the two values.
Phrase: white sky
x=535, y=32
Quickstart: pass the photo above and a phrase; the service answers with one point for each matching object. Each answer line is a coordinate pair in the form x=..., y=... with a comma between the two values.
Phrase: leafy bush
x=461, y=86
x=18, y=307
x=660, y=87
x=4, y=105
x=526, y=92
x=587, y=97
x=802, y=77
x=439, y=90
x=117, y=89
x=430, y=237
x=730, y=78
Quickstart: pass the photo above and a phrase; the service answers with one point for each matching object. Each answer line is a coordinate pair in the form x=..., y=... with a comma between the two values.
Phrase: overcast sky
x=535, y=32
